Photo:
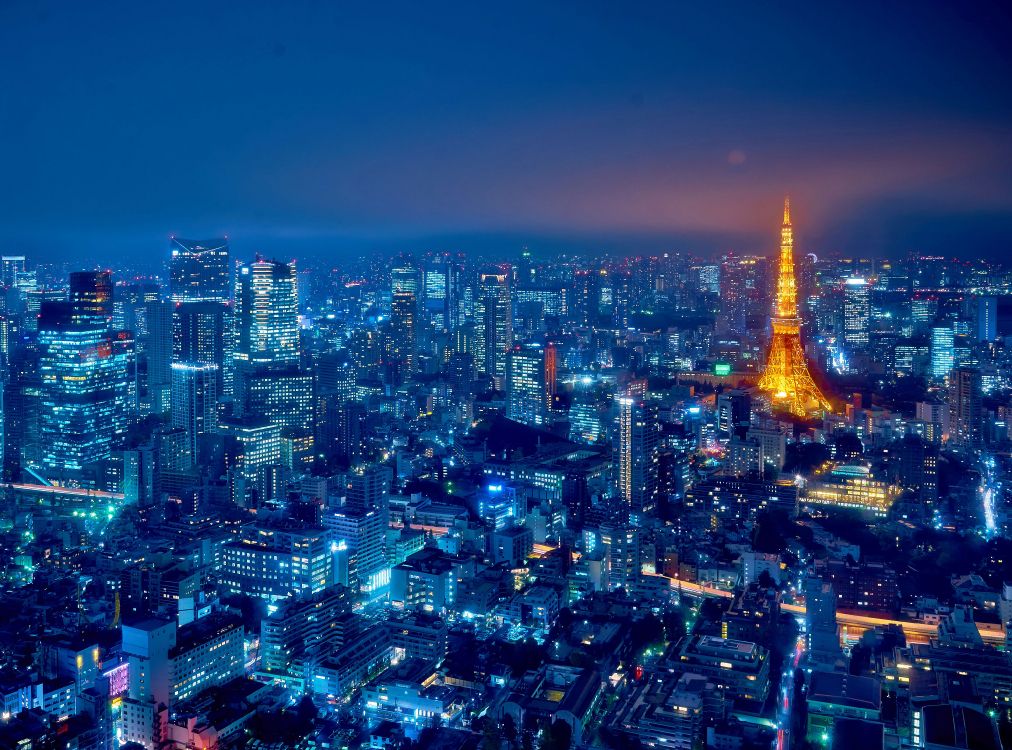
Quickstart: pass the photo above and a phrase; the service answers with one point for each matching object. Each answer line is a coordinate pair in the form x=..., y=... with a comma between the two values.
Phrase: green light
x=722, y=369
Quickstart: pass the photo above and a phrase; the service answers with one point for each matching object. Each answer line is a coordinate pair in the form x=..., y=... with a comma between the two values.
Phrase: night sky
x=327, y=127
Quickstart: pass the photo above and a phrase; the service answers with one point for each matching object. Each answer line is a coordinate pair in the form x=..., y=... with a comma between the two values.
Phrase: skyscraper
x=637, y=453
x=401, y=342
x=200, y=338
x=405, y=278
x=943, y=351
x=158, y=351
x=199, y=333
x=91, y=297
x=494, y=324
x=199, y=271
x=11, y=267
x=85, y=389
x=364, y=533
x=283, y=397
x=856, y=313
x=527, y=386
x=266, y=315
x=440, y=281
x=194, y=400
x=200, y=290
x=987, y=319
x=786, y=377
x=966, y=425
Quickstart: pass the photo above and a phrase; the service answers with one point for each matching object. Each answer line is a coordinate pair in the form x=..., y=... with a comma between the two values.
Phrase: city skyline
x=505, y=377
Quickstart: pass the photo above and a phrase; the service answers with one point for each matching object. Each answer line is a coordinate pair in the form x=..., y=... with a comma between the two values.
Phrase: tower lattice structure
x=787, y=378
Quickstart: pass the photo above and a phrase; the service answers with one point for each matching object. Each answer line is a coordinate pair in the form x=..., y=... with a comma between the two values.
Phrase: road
x=990, y=491
x=915, y=631
x=784, y=718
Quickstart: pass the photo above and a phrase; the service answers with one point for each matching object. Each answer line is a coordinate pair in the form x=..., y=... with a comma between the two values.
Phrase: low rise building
x=740, y=668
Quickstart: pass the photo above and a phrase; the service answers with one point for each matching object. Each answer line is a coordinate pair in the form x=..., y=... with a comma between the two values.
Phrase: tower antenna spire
x=787, y=378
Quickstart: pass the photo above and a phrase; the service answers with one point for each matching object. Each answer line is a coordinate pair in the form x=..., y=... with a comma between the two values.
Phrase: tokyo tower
x=786, y=377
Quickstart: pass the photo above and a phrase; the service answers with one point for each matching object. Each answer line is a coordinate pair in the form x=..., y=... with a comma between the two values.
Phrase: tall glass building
x=527, y=386
x=198, y=271
x=85, y=390
x=194, y=400
x=493, y=312
x=266, y=315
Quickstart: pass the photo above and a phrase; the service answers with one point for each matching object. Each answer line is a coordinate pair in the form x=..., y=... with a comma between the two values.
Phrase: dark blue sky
x=332, y=127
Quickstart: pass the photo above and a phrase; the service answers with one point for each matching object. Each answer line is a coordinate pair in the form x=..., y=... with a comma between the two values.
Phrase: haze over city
x=341, y=129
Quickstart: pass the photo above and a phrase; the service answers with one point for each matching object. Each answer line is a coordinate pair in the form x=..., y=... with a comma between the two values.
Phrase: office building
x=419, y=635
x=856, y=313
x=943, y=353
x=301, y=626
x=638, y=434
x=266, y=315
x=199, y=271
x=493, y=315
x=966, y=419
x=527, y=389
x=90, y=297
x=363, y=532
x=195, y=400
x=85, y=389
x=821, y=630
x=252, y=453
x=169, y=665
x=740, y=668
x=273, y=563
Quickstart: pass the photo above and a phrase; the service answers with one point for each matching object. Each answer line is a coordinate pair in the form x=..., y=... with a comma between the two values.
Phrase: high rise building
x=820, y=622
x=195, y=400
x=252, y=453
x=987, y=319
x=401, y=343
x=439, y=292
x=199, y=332
x=21, y=412
x=637, y=453
x=966, y=424
x=274, y=562
x=85, y=389
x=527, y=394
x=90, y=297
x=158, y=352
x=302, y=626
x=364, y=534
x=11, y=268
x=199, y=271
x=856, y=313
x=501, y=507
x=369, y=487
x=787, y=378
x=623, y=552
x=734, y=411
x=405, y=278
x=743, y=292
x=266, y=315
x=943, y=351
x=281, y=397
x=494, y=324
x=170, y=665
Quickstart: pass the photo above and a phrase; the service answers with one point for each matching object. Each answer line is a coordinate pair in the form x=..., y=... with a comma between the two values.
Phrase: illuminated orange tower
x=786, y=377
